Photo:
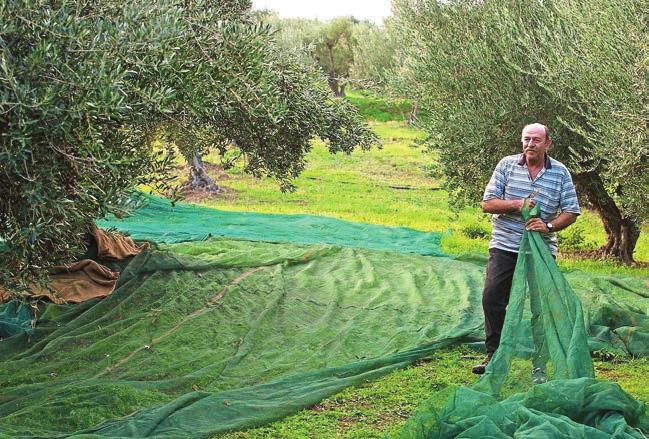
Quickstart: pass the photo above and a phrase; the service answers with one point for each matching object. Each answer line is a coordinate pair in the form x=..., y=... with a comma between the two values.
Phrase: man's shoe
x=479, y=369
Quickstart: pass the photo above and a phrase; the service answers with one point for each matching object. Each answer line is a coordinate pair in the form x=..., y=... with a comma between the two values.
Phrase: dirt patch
x=198, y=195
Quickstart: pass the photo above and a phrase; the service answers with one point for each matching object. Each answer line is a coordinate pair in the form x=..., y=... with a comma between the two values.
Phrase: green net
x=573, y=405
x=15, y=318
x=209, y=336
x=224, y=334
x=160, y=221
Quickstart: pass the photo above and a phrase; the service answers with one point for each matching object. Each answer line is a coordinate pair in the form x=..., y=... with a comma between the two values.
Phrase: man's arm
x=496, y=205
x=559, y=223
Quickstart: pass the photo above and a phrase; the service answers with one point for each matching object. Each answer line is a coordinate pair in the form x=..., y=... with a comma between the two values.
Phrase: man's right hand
x=520, y=203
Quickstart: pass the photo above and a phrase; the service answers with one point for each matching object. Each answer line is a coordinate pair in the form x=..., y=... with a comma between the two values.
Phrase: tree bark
x=623, y=232
x=199, y=178
x=334, y=85
x=414, y=113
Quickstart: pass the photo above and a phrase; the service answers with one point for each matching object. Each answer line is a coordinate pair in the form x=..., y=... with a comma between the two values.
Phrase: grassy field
x=393, y=186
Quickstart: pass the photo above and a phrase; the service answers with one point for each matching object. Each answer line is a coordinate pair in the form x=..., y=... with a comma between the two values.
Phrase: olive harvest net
x=163, y=222
x=572, y=405
x=207, y=336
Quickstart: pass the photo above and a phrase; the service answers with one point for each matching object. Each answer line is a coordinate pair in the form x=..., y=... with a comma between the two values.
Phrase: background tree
x=334, y=52
x=85, y=88
x=329, y=44
x=484, y=69
x=374, y=55
x=298, y=35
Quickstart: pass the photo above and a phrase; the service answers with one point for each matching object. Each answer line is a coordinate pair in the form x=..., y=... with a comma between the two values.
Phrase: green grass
x=379, y=109
x=379, y=408
x=392, y=186
x=376, y=408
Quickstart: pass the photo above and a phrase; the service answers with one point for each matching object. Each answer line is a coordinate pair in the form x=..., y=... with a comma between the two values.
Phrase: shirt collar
x=546, y=162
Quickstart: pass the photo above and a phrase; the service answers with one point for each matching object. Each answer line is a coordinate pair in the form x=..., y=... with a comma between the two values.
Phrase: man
x=542, y=180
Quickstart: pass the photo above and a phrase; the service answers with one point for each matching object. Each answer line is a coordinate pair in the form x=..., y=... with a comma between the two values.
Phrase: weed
x=475, y=231
x=574, y=239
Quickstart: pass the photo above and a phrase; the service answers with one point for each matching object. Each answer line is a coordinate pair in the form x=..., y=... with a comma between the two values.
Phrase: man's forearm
x=496, y=205
x=564, y=220
x=559, y=223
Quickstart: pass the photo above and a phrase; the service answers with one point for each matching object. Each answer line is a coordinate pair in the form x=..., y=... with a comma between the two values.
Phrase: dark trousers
x=495, y=296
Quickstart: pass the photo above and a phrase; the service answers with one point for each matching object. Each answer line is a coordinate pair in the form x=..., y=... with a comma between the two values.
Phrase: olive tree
x=485, y=69
x=374, y=55
x=330, y=45
x=87, y=87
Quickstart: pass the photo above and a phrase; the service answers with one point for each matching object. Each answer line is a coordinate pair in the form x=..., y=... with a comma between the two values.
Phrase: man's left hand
x=536, y=225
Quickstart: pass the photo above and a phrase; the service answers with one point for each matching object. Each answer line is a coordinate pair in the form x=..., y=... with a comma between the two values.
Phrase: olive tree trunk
x=623, y=232
x=414, y=113
x=198, y=177
x=336, y=86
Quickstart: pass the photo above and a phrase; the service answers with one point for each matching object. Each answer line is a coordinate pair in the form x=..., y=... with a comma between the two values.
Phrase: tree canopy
x=87, y=87
x=485, y=69
x=330, y=45
x=374, y=55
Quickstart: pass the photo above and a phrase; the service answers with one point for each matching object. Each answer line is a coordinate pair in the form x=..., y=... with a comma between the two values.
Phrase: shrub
x=476, y=231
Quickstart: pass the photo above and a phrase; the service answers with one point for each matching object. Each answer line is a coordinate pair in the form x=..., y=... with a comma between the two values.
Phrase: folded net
x=566, y=401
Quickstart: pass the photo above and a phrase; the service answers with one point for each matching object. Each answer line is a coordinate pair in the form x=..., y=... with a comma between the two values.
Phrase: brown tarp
x=86, y=279
x=78, y=282
x=114, y=246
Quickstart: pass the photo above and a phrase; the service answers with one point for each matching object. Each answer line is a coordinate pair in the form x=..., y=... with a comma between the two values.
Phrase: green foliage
x=475, y=231
x=347, y=50
x=574, y=239
x=485, y=69
x=374, y=55
x=296, y=34
x=330, y=45
x=383, y=109
x=333, y=51
x=85, y=88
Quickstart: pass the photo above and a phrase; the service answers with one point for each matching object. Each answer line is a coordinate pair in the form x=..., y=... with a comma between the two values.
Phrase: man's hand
x=559, y=223
x=520, y=203
x=536, y=225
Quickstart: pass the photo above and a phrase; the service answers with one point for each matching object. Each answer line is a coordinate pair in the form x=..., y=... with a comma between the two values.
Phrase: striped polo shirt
x=554, y=193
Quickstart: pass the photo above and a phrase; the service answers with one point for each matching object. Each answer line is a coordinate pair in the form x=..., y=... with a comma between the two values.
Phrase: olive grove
x=484, y=69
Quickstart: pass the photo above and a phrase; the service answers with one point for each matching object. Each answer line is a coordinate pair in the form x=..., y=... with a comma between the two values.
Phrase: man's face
x=535, y=143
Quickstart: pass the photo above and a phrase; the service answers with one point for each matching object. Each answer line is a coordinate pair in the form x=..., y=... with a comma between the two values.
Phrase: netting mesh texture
x=572, y=404
x=160, y=221
x=209, y=336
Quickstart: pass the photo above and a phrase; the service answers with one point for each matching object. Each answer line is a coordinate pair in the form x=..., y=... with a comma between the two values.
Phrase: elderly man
x=540, y=179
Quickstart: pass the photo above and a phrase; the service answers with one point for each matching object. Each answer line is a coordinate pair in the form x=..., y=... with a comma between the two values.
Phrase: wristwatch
x=549, y=226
